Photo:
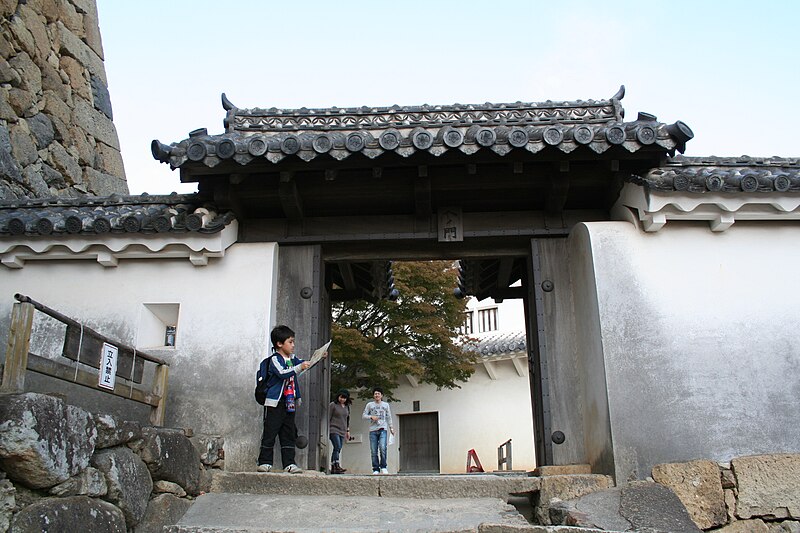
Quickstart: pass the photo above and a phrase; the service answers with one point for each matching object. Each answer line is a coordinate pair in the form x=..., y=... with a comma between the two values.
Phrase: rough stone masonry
x=57, y=137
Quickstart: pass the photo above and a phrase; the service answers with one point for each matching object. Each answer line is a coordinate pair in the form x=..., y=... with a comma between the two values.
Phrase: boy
x=380, y=418
x=283, y=396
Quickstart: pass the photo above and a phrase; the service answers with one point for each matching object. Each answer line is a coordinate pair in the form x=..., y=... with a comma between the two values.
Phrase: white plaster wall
x=482, y=414
x=510, y=315
x=700, y=348
x=226, y=311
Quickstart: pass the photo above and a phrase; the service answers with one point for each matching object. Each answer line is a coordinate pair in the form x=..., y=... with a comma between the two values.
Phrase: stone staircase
x=248, y=502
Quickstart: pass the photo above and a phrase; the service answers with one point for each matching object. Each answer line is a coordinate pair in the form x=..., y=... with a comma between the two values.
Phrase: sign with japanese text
x=451, y=226
x=108, y=366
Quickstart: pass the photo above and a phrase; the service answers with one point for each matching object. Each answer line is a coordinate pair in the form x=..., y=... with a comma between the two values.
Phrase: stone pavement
x=260, y=513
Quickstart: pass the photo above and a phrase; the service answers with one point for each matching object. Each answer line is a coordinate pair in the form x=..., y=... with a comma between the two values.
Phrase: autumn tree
x=377, y=344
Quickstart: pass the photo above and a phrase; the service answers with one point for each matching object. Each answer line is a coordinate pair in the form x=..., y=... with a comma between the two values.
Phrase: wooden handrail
x=71, y=322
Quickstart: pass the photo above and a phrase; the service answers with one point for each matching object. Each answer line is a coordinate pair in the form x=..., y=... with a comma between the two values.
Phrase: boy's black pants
x=278, y=423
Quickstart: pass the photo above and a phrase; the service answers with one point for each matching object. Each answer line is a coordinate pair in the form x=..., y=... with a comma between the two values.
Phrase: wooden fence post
x=160, y=389
x=19, y=342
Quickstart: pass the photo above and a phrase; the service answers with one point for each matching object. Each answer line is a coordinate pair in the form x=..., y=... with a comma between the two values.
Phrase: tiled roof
x=724, y=174
x=500, y=344
x=113, y=214
x=277, y=134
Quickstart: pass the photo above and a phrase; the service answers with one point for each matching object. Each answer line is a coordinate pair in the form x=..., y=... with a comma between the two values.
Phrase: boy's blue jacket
x=279, y=372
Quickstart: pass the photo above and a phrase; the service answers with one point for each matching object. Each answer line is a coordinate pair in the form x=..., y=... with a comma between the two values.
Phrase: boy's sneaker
x=375, y=472
x=384, y=471
x=293, y=469
x=265, y=468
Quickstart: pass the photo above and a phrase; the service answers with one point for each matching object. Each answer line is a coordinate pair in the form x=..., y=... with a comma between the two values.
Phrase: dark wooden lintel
x=290, y=198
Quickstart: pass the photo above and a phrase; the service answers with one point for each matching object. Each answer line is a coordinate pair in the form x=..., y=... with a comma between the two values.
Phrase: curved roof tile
x=113, y=214
x=277, y=134
x=723, y=174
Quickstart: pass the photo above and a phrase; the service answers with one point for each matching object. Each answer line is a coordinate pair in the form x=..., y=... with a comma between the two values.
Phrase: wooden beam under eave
x=290, y=198
x=520, y=365
x=349, y=280
x=422, y=195
x=490, y=369
x=504, y=272
x=557, y=193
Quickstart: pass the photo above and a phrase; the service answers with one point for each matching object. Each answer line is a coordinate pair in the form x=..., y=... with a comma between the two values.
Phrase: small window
x=487, y=319
x=158, y=325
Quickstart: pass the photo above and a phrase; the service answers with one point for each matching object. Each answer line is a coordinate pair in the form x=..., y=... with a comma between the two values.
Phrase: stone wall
x=62, y=467
x=56, y=131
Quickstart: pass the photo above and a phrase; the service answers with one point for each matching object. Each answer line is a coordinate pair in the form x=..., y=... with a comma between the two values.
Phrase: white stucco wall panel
x=699, y=360
x=225, y=314
x=482, y=414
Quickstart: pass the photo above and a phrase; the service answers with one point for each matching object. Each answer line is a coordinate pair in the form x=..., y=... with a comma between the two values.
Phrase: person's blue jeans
x=377, y=443
x=337, y=441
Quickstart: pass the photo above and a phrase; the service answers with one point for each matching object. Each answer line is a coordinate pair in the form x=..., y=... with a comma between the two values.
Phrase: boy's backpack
x=262, y=376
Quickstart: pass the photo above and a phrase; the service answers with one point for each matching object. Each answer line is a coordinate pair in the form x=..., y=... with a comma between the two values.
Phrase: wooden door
x=419, y=442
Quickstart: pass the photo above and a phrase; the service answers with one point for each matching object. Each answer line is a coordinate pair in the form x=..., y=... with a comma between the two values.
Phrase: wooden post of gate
x=159, y=389
x=19, y=342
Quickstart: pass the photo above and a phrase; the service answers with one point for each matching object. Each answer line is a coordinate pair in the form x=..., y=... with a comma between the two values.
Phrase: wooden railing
x=80, y=345
x=504, y=456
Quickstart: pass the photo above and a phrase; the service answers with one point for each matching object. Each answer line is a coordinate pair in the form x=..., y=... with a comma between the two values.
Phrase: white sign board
x=451, y=226
x=108, y=366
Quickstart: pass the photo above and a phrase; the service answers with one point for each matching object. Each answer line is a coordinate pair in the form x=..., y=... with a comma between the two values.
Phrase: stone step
x=312, y=483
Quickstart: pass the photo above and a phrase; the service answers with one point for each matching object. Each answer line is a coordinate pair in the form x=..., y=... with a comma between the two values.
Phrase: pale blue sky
x=730, y=69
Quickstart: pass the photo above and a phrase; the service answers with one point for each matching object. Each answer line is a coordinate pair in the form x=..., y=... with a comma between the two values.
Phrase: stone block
x=43, y=441
x=64, y=163
x=170, y=456
x=567, y=488
x=33, y=179
x=21, y=101
x=71, y=18
x=562, y=470
x=48, y=8
x=7, y=112
x=129, y=482
x=168, y=487
x=209, y=447
x=8, y=74
x=72, y=45
x=473, y=486
x=23, y=146
x=81, y=146
x=57, y=107
x=112, y=432
x=22, y=35
x=163, y=510
x=29, y=73
x=698, y=485
x=102, y=184
x=109, y=160
x=93, y=37
x=8, y=165
x=787, y=526
x=744, y=526
x=74, y=513
x=51, y=81
x=38, y=31
x=768, y=486
x=95, y=123
x=90, y=482
x=7, y=503
x=101, y=98
x=42, y=129
x=305, y=484
x=52, y=177
x=78, y=79
x=7, y=8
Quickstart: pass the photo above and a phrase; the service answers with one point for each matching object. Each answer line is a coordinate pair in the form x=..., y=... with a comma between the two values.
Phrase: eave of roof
x=274, y=135
x=114, y=214
x=723, y=174
x=498, y=345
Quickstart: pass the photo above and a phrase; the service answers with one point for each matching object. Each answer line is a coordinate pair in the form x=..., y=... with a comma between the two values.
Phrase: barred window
x=487, y=319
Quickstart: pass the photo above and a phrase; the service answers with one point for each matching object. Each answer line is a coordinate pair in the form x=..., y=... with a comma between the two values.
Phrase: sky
x=729, y=69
